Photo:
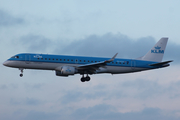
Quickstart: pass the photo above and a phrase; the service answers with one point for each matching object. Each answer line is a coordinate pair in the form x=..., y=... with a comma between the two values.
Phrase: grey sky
x=91, y=28
x=8, y=20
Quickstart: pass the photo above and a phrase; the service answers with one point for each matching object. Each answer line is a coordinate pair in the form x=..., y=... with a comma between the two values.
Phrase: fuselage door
x=133, y=64
x=27, y=58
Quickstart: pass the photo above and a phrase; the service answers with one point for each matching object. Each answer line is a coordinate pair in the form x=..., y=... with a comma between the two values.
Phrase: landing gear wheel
x=21, y=75
x=83, y=79
x=88, y=78
x=21, y=72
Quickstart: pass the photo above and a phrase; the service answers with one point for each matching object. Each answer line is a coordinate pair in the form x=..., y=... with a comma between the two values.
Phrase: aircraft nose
x=6, y=63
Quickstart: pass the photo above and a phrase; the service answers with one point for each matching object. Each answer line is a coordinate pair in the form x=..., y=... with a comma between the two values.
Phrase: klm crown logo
x=157, y=50
x=157, y=47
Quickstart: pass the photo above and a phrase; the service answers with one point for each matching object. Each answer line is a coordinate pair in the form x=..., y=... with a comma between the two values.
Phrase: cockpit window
x=15, y=57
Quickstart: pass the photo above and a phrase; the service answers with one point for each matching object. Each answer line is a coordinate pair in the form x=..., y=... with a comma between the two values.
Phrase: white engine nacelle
x=66, y=70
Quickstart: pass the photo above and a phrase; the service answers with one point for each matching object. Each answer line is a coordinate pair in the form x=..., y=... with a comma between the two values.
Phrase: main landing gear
x=87, y=78
x=21, y=72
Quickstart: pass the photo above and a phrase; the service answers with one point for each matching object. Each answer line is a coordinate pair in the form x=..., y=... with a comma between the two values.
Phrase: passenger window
x=45, y=58
x=49, y=58
x=60, y=59
x=56, y=59
x=71, y=60
x=67, y=59
x=64, y=59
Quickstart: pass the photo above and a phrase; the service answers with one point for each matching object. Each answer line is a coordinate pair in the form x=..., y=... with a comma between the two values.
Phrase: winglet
x=112, y=59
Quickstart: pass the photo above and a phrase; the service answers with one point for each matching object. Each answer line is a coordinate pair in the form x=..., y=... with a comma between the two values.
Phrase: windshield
x=15, y=57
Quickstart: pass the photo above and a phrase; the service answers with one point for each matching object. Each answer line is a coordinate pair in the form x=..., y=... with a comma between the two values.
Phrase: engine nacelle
x=65, y=71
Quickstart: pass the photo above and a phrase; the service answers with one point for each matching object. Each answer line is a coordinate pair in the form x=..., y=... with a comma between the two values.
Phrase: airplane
x=64, y=65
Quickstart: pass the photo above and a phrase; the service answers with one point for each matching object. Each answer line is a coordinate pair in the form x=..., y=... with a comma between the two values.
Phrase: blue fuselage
x=52, y=62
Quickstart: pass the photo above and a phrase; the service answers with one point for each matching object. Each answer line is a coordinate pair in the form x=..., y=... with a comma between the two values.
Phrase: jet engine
x=65, y=71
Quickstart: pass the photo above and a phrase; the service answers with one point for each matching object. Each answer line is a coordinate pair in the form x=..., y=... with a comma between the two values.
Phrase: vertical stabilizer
x=157, y=52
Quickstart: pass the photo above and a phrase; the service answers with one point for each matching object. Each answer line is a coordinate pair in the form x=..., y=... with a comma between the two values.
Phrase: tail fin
x=157, y=52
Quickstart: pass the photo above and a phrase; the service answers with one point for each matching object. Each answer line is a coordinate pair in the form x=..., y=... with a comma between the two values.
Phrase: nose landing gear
x=87, y=78
x=21, y=72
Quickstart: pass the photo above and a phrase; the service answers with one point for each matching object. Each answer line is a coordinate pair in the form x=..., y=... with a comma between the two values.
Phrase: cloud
x=29, y=86
x=36, y=43
x=139, y=95
x=78, y=95
x=133, y=96
x=139, y=89
x=8, y=20
x=26, y=101
x=31, y=101
x=36, y=115
x=172, y=52
x=3, y=87
x=98, y=112
x=109, y=44
x=106, y=112
x=42, y=95
x=103, y=46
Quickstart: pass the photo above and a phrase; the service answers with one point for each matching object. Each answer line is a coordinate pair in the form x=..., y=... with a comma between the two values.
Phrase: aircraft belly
x=117, y=69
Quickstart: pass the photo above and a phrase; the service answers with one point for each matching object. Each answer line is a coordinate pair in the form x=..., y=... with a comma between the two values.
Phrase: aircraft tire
x=88, y=78
x=83, y=79
x=21, y=75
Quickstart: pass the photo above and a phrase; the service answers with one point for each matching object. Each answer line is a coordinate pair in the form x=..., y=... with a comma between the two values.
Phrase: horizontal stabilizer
x=161, y=63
